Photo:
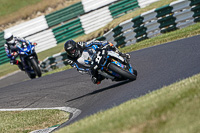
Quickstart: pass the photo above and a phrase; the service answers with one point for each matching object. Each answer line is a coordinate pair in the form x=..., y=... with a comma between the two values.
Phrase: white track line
x=10, y=74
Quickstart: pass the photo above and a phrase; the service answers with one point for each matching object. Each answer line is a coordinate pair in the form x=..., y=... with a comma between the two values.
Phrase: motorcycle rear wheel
x=125, y=74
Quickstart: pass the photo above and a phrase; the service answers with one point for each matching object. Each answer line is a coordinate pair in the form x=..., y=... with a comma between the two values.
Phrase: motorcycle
x=28, y=52
x=112, y=66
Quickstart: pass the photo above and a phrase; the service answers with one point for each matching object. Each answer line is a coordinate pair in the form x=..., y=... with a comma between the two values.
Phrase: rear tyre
x=125, y=74
x=35, y=67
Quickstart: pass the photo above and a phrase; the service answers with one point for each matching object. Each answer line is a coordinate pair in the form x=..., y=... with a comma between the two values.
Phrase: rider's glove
x=70, y=62
x=14, y=54
x=80, y=43
x=109, y=46
x=35, y=43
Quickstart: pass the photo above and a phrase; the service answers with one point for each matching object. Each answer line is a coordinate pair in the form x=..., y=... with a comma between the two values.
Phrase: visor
x=73, y=51
x=9, y=39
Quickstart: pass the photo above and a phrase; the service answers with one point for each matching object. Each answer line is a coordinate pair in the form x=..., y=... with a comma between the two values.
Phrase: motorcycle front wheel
x=35, y=67
x=125, y=74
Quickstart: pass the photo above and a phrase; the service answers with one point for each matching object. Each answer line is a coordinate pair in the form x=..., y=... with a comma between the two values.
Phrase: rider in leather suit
x=80, y=56
x=12, y=50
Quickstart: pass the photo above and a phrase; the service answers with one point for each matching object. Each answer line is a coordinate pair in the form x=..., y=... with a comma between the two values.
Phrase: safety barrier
x=65, y=14
x=44, y=39
x=174, y=16
x=69, y=30
x=54, y=62
x=28, y=28
x=3, y=57
x=89, y=5
x=120, y=8
x=144, y=3
x=96, y=19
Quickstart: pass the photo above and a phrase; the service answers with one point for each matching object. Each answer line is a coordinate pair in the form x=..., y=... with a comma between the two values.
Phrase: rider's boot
x=94, y=79
x=97, y=79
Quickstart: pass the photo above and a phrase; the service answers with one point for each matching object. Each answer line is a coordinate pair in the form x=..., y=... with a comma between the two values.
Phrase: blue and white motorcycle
x=30, y=59
x=113, y=66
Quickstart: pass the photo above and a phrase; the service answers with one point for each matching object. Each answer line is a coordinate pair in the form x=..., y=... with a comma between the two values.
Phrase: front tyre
x=120, y=71
x=35, y=67
x=31, y=75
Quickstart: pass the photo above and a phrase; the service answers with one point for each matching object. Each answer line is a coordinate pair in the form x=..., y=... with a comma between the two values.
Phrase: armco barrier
x=3, y=56
x=53, y=62
x=96, y=19
x=65, y=14
x=89, y=5
x=174, y=16
x=69, y=30
x=144, y=3
x=120, y=8
x=44, y=39
x=28, y=28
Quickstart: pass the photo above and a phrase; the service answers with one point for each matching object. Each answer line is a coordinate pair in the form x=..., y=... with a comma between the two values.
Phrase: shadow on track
x=100, y=90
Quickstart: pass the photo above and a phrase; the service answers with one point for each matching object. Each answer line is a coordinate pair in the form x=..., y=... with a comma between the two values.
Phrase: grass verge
x=57, y=70
x=172, y=109
x=27, y=121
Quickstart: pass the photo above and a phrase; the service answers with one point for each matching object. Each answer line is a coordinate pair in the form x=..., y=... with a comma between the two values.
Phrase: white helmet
x=9, y=38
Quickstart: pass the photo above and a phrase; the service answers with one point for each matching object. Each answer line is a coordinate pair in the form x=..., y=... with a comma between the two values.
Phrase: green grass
x=172, y=109
x=27, y=121
x=57, y=70
x=9, y=6
x=12, y=11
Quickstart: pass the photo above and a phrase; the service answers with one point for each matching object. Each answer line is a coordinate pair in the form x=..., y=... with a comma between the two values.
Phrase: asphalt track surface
x=157, y=67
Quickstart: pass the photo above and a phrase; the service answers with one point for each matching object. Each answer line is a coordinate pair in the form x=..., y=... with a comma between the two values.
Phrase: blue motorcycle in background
x=27, y=51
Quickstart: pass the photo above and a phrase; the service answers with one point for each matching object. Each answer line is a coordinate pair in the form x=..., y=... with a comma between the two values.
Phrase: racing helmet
x=9, y=38
x=72, y=49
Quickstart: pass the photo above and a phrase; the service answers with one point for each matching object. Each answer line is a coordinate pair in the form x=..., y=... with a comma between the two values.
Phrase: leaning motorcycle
x=28, y=52
x=113, y=66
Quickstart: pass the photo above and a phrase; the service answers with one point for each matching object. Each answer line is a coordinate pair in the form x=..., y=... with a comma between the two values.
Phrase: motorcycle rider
x=80, y=56
x=12, y=50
